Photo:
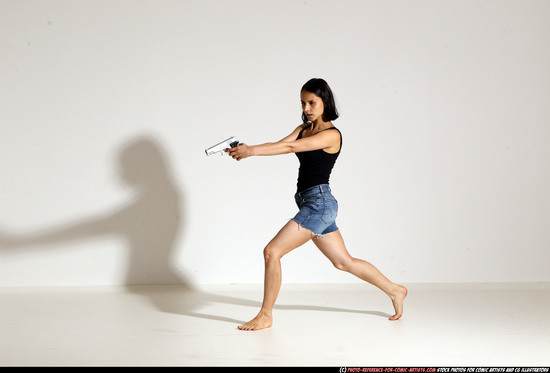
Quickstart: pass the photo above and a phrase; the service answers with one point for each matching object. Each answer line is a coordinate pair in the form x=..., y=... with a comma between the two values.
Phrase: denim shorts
x=318, y=210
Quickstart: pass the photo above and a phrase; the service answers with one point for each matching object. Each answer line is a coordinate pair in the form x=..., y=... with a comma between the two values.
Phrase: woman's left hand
x=239, y=152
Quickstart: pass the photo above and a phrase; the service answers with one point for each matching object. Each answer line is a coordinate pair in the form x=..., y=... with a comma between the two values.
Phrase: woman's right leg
x=289, y=237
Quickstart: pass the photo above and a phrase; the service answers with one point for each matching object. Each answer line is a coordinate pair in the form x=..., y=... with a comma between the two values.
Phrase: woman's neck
x=319, y=125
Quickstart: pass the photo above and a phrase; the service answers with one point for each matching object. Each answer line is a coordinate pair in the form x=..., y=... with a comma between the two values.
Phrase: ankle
x=396, y=291
x=265, y=313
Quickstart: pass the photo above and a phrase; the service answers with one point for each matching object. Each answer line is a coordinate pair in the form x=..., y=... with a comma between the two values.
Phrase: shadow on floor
x=184, y=300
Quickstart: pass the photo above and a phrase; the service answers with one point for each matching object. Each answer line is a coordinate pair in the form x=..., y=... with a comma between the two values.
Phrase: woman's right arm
x=271, y=148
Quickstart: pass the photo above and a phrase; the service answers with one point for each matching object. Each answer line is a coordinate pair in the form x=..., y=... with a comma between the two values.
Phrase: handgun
x=225, y=144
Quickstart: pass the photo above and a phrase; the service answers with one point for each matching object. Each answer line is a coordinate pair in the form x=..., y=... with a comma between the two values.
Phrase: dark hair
x=320, y=88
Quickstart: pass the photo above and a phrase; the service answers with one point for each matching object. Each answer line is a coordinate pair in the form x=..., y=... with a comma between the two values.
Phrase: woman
x=317, y=144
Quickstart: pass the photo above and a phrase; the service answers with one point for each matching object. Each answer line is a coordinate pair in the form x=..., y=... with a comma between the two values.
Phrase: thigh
x=333, y=247
x=291, y=236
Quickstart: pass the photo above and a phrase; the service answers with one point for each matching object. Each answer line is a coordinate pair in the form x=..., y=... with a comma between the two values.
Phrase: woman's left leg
x=332, y=246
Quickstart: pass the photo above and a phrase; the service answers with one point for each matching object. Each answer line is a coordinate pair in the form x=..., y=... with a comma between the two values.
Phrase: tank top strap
x=302, y=131
x=330, y=128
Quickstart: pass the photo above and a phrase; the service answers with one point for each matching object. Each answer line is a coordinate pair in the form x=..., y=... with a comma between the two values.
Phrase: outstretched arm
x=289, y=144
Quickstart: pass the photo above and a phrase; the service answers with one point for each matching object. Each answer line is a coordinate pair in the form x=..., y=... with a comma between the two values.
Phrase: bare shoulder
x=294, y=135
x=331, y=132
x=331, y=138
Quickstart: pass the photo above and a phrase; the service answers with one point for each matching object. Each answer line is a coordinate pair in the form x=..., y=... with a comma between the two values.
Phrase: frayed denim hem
x=317, y=235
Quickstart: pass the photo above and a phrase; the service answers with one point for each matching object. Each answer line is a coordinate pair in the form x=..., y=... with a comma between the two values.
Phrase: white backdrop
x=106, y=108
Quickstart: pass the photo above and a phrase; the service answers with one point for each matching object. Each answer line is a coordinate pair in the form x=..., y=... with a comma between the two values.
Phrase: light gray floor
x=315, y=325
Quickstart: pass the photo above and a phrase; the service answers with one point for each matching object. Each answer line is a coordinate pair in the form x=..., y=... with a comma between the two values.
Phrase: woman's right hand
x=239, y=152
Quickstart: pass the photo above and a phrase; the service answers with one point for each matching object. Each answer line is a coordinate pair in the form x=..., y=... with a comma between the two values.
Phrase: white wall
x=107, y=107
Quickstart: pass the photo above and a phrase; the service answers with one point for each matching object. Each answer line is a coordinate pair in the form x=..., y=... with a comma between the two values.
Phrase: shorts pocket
x=330, y=212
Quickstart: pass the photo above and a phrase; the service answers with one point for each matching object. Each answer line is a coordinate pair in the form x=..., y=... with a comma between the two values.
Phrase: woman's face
x=312, y=106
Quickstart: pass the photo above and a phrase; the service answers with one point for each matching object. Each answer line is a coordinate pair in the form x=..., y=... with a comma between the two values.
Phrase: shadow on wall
x=150, y=223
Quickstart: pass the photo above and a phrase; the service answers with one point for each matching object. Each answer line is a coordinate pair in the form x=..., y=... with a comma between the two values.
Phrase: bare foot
x=261, y=321
x=397, y=299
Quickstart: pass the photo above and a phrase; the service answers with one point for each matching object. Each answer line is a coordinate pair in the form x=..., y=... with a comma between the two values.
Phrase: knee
x=343, y=265
x=271, y=253
x=340, y=266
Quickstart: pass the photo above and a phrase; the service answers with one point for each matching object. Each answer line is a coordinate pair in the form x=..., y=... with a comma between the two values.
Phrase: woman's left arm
x=322, y=140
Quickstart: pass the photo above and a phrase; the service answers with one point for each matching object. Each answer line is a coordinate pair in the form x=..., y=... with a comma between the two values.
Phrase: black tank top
x=316, y=165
